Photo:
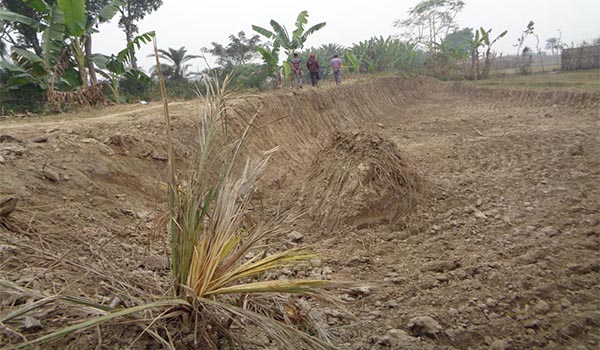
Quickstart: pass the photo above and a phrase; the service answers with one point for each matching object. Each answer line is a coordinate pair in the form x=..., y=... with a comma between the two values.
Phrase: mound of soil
x=360, y=178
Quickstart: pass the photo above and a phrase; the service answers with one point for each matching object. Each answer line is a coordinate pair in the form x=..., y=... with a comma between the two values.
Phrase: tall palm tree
x=553, y=44
x=177, y=67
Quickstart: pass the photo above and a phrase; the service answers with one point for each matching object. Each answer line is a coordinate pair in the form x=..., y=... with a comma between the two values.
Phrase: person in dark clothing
x=313, y=68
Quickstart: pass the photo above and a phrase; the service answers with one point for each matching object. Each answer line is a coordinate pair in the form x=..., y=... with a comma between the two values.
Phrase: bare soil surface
x=498, y=247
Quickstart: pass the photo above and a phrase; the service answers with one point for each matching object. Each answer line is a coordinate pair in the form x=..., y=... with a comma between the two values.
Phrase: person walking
x=336, y=65
x=313, y=68
x=297, y=69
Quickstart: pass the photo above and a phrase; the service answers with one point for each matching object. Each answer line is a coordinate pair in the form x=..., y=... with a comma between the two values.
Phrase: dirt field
x=471, y=214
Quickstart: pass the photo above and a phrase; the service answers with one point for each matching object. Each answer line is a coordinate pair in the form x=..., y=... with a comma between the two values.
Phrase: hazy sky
x=196, y=23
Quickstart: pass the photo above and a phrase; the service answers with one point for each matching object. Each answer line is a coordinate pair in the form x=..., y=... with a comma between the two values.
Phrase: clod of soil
x=360, y=178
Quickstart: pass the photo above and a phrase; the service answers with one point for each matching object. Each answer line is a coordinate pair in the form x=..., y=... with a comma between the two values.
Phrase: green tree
x=21, y=34
x=177, y=66
x=239, y=51
x=115, y=69
x=327, y=51
x=65, y=29
x=270, y=57
x=132, y=12
x=430, y=21
x=379, y=54
x=458, y=42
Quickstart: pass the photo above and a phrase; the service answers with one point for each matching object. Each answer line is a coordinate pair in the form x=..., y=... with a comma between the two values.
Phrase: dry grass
x=361, y=177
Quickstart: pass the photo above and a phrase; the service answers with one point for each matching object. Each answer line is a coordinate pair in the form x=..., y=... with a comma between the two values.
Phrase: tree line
x=51, y=60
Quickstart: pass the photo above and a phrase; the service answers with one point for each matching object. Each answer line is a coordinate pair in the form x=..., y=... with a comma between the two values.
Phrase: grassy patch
x=581, y=80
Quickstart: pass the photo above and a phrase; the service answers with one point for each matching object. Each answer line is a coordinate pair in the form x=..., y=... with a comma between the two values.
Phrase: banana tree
x=270, y=57
x=352, y=61
x=290, y=43
x=485, y=35
x=65, y=30
x=114, y=67
x=482, y=40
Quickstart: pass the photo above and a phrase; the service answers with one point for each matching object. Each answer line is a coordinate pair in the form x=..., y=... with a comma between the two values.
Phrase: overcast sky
x=196, y=23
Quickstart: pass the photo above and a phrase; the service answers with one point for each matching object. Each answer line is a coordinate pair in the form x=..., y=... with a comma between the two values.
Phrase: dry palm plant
x=211, y=239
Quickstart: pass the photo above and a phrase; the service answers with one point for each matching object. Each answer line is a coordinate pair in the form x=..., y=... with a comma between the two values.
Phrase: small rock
x=491, y=302
x=499, y=345
x=424, y=326
x=381, y=125
x=480, y=215
x=360, y=291
x=392, y=304
x=532, y=324
x=8, y=139
x=395, y=280
x=453, y=312
x=576, y=150
x=50, y=174
x=356, y=260
x=550, y=231
x=334, y=313
x=401, y=340
x=315, y=262
x=13, y=149
x=565, y=303
x=384, y=341
x=159, y=157
x=2, y=160
x=442, y=278
x=88, y=140
x=115, y=302
x=286, y=272
x=295, y=236
x=541, y=307
x=32, y=324
x=441, y=266
x=40, y=139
